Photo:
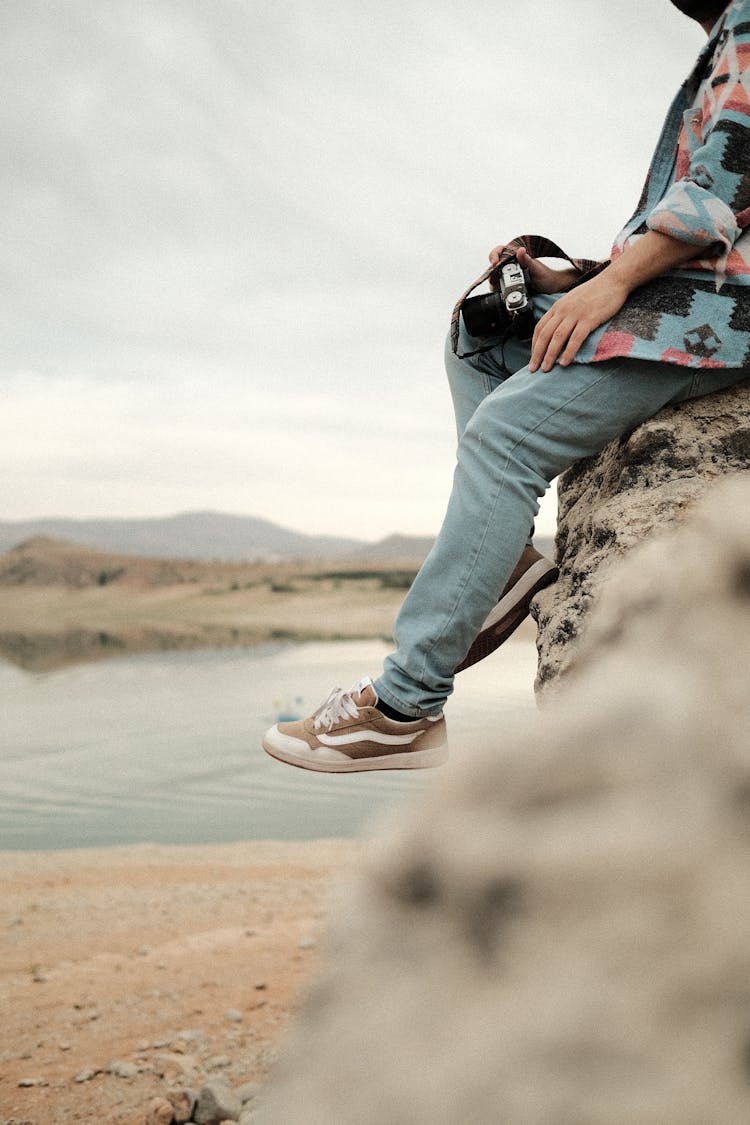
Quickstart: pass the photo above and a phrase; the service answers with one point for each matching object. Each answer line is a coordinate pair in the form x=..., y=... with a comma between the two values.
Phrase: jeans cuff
x=399, y=705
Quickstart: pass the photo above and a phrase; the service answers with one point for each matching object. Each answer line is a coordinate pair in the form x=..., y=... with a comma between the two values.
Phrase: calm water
x=166, y=748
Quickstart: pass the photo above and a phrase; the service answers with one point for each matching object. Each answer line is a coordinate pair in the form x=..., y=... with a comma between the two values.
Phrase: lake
x=165, y=748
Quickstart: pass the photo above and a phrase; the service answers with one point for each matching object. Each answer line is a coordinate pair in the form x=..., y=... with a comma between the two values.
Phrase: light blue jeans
x=517, y=432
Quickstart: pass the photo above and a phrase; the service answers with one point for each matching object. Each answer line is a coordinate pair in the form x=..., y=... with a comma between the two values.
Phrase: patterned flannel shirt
x=698, y=191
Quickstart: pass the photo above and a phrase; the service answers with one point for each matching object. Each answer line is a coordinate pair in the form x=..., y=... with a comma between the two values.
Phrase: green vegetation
x=107, y=576
x=397, y=579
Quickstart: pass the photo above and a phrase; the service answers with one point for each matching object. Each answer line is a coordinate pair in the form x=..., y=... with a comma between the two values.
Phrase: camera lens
x=485, y=315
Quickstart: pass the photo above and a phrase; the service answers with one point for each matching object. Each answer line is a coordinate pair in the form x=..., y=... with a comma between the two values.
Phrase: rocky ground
x=127, y=972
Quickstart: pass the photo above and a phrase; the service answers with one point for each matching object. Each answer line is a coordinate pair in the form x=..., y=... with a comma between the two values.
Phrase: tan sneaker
x=348, y=734
x=532, y=573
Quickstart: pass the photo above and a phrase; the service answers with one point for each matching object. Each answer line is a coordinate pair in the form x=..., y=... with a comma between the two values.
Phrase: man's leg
x=518, y=439
x=352, y=730
x=470, y=380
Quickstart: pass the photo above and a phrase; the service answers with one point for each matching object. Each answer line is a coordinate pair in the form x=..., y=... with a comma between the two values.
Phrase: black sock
x=392, y=713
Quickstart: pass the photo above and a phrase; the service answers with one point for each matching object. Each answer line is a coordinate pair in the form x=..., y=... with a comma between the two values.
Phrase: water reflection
x=165, y=747
x=43, y=652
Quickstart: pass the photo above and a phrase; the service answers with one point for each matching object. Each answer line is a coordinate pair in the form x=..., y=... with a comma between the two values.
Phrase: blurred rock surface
x=560, y=931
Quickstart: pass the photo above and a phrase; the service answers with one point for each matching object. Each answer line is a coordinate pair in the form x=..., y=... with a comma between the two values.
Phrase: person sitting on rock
x=668, y=319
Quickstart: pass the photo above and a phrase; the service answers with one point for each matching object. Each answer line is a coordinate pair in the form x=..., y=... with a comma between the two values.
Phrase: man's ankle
x=392, y=713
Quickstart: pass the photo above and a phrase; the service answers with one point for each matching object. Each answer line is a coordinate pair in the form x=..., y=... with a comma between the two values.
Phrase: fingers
x=563, y=329
x=575, y=340
x=557, y=340
x=494, y=257
x=547, y=342
x=524, y=259
x=522, y=254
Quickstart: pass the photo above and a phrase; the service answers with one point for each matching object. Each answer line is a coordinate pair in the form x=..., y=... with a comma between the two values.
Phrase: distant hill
x=190, y=535
x=43, y=561
x=395, y=548
x=217, y=537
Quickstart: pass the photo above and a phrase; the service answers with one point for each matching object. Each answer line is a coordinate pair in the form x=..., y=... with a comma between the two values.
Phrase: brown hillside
x=53, y=562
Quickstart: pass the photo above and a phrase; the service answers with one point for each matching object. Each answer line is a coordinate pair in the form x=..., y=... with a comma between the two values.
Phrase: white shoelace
x=338, y=705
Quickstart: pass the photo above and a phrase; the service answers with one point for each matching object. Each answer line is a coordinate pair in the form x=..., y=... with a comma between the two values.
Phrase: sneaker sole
x=411, y=760
x=509, y=612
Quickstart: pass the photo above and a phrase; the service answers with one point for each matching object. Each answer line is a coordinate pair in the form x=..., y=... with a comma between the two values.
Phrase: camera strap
x=538, y=247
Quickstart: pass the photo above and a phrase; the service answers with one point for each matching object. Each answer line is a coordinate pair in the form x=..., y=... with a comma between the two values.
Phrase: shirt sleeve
x=696, y=215
x=709, y=204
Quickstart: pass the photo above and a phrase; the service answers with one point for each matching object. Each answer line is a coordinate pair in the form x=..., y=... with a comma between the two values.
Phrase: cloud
x=231, y=234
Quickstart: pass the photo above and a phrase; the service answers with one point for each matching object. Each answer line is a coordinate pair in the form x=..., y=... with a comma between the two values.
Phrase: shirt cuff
x=692, y=214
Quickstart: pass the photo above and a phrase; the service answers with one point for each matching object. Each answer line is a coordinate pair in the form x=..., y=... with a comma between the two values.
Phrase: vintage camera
x=504, y=311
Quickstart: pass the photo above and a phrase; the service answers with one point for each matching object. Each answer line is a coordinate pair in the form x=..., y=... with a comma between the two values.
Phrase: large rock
x=217, y=1103
x=635, y=487
x=560, y=933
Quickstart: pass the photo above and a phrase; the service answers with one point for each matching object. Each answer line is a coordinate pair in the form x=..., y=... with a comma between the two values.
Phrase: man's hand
x=543, y=279
x=561, y=331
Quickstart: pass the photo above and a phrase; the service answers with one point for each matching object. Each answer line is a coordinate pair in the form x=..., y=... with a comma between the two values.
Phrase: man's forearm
x=650, y=256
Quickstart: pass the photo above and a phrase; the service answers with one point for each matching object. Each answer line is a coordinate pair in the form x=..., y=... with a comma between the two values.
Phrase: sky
x=232, y=233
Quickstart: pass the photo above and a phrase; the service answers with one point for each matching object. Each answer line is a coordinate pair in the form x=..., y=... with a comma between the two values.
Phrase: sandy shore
x=180, y=962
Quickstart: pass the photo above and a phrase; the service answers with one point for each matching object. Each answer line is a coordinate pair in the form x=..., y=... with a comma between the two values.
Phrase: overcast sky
x=232, y=232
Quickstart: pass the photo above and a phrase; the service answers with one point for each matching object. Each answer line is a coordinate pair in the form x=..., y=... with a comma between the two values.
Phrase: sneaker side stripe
x=525, y=583
x=368, y=736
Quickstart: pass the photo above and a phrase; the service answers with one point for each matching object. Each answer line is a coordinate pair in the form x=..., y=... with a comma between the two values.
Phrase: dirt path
x=177, y=964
